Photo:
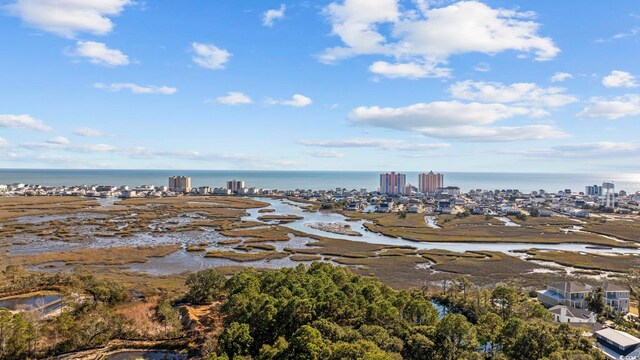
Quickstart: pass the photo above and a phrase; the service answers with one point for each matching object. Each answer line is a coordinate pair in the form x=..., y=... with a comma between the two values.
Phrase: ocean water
x=285, y=180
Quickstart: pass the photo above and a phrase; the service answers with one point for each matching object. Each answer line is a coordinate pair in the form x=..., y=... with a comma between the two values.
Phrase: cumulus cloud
x=619, y=79
x=136, y=89
x=526, y=94
x=618, y=107
x=381, y=143
x=560, y=77
x=296, y=100
x=88, y=132
x=4, y=143
x=457, y=120
x=99, y=54
x=325, y=153
x=421, y=116
x=210, y=56
x=272, y=15
x=410, y=70
x=431, y=35
x=234, y=98
x=23, y=121
x=69, y=17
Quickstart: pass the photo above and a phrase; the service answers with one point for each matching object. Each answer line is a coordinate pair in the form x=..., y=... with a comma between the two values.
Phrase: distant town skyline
x=361, y=85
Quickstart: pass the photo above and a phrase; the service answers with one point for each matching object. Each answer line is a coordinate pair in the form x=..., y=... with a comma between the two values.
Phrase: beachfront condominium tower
x=393, y=183
x=235, y=185
x=430, y=182
x=180, y=183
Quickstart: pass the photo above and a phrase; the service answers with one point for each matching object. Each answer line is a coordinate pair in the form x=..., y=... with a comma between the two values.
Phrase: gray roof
x=572, y=311
x=607, y=286
x=621, y=338
x=571, y=286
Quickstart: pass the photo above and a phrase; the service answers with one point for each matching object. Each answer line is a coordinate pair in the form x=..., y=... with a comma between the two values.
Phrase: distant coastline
x=307, y=179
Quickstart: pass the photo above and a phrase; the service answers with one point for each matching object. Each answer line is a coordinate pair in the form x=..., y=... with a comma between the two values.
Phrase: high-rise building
x=180, y=183
x=609, y=194
x=235, y=185
x=430, y=182
x=393, y=183
x=593, y=190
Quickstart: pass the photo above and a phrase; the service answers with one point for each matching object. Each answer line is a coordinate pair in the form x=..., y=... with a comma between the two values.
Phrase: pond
x=46, y=303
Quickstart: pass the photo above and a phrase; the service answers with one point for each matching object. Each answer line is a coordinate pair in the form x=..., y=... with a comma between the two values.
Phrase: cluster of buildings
x=568, y=303
x=396, y=183
x=393, y=195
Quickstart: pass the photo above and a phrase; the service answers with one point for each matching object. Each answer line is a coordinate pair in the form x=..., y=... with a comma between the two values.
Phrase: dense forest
x=327, y=312
x=317, y=311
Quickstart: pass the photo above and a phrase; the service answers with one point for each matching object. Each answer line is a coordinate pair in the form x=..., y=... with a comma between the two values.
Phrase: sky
x=527, y=86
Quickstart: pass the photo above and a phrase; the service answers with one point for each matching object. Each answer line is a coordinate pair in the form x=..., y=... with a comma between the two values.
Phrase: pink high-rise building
x=430, y=182
x=393, y=183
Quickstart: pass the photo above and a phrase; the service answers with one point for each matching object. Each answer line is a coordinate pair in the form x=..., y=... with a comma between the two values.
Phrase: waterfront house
x=575, y=295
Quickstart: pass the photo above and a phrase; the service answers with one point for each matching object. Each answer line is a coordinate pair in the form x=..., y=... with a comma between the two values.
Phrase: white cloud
x=381, y=143
x=297, y=100
x=604, y=149
x=325, y=153
x=497, y=133
x=4, y=143
x=432, y=35
x=136, y=89
x=560, y=77
x=272, y=15
x=210, y=56
x=23, y=121
x=99, y=54
x=421, y=116
x=59, y=140
x=234, y=98
x=411, y=70
x=618, y=107
x=619, y=79
x=482, y=67
x=457, y=120
x=524, y=94
x=69, y=17
x=88, y=132
x=67, y=146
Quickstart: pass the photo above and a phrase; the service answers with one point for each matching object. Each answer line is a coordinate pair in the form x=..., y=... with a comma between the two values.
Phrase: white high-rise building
x=180, y=183
x=430, y=182
x=235, y=185
x=393, y=183
x=609, y=194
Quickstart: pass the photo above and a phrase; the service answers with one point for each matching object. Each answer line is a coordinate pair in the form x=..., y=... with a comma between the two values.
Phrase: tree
x=595, y=301
x=307, y=344
x=454, y=336
x=402, y=214
x=463, y=285
x=489, y=327
x=236, y=340
x=418, y=347
x=504, y=297
x=205, y=286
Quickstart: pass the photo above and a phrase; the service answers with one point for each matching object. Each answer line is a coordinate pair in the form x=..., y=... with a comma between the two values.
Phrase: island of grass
x=282, y=219
x=478, y=228
x=335, y=228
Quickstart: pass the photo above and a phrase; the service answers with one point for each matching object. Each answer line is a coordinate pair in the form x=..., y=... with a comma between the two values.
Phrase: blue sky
x=531, y=86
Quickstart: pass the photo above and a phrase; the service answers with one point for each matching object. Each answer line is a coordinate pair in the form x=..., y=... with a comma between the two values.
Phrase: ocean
x=285, y=180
